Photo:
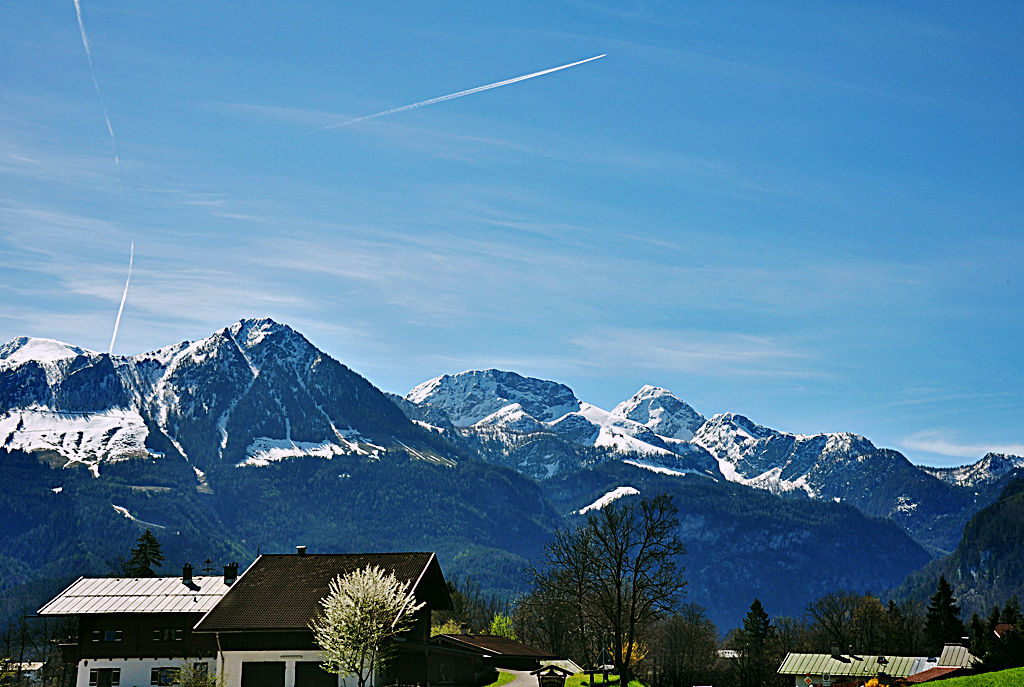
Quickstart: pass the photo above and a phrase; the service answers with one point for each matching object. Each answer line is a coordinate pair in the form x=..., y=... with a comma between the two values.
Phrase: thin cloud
x=696, y=352
x=935, y=442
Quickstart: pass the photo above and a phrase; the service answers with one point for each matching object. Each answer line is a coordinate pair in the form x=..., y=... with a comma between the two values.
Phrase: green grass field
x=503, y=679
x=583, y=680
x=1004, y=678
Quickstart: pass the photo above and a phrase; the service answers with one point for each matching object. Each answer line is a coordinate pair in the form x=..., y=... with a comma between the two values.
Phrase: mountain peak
x=26, y=348
x=661, y=411
x=471, y=396
x=250, y=332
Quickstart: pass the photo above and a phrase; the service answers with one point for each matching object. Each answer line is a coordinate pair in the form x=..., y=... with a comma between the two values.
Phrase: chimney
x=300, y=550
x=230, y=573
x=835, y=652
x=464, y=629
x=186, y=573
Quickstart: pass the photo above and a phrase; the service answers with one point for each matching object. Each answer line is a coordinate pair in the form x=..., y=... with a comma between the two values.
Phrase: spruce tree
x=1011, y=612
x=755, y=666
x=942, y=623
x=756, y=626
x=145, y=556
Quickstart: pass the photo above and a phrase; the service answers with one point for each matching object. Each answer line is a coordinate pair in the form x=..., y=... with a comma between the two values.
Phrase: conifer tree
x=145, y=556
x=1011, y=612
x=755, y=666
x=942, y=623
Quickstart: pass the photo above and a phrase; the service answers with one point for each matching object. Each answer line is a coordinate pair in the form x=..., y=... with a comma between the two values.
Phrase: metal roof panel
x=136, y=595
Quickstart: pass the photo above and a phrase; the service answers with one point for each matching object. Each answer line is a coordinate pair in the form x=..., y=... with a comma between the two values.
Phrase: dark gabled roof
x=492, y=644
x=282, y=592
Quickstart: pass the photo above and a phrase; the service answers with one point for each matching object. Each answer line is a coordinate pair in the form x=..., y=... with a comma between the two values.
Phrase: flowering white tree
x=362, y=610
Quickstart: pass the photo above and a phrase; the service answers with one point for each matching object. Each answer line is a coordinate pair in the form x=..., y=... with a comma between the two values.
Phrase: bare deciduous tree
x=617, y=572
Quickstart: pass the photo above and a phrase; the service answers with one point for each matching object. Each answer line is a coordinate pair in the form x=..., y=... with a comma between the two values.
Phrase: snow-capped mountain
x=659, y=432
x=777, y=461
x=250, y=393
x=662, y=412
x=990, y=468
x=533, y=424
x=473, y=396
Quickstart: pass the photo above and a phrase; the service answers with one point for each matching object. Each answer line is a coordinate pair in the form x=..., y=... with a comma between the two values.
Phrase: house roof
x=953, y=656
x=492, y=644
x=137, y=595
x=282, y=592
x=1002, y=629
x=936, y=673
x=852, y=666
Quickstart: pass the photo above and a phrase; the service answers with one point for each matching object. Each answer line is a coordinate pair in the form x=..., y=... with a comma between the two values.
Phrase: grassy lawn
x=1004, y=678
x=583, y=680
x=503, y=679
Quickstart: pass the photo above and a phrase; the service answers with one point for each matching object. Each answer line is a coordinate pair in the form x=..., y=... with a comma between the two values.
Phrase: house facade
x=262, y=625
x=138, y=632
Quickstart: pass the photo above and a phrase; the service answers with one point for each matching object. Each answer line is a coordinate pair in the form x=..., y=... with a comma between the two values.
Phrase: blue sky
x=809, y=214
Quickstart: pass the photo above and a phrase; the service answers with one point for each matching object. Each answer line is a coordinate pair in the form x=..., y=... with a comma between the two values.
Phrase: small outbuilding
x=502, y=652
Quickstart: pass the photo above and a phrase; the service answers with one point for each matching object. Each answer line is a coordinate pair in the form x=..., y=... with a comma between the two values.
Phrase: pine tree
x=145, y=556
x=755, y=666
x=756, y=626
x=942, y=623
x=1011, y=612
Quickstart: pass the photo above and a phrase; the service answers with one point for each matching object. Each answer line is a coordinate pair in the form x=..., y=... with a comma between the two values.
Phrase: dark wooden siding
x=136, y=636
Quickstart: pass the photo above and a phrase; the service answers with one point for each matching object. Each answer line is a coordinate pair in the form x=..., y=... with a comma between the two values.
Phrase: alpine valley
x=254, y=440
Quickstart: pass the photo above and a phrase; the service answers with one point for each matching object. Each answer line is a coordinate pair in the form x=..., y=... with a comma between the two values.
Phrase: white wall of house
x=135, y=672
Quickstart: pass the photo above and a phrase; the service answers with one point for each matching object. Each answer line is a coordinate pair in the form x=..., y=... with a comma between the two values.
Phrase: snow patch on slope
x=111, y=435
x=663, y=469
x=611, y=496
x=264, y=451
x=124, y=511
x=618, y=432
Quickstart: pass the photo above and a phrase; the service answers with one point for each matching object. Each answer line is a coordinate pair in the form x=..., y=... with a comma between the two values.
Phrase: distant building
x=814, y=669
x=501, y=652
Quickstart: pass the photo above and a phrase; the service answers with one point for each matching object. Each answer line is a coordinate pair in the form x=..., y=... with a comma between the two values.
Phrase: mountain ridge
x=253, y=436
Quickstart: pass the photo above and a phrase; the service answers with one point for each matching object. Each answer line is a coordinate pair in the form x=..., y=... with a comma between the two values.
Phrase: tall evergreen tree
x=755, y=666
x=757, y=627
x=942, y=623
x=145, y=556
x=1011, y=612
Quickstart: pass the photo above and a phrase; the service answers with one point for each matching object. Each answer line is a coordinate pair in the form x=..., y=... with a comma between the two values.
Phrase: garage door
x=310, y=674
x=268, y=674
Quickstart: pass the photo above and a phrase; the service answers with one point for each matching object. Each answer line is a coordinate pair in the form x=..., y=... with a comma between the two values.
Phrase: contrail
x=117, y=322
x=96, y=85
x=451, y=96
